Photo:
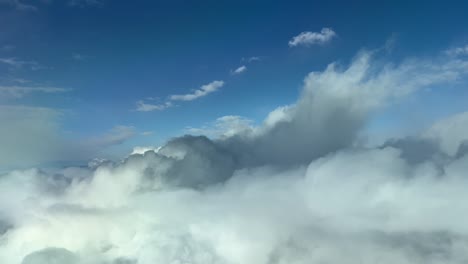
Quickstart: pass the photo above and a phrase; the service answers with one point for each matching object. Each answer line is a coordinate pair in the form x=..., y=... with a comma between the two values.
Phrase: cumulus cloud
x=239, y=70
x=203, y=91
x=294, y=189
x=309, y=38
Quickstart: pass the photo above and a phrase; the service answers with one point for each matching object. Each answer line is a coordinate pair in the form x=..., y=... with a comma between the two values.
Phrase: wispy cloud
x=145, y=106
x=146, y=133
x=458, y=51
x=251, y=59
x=18, y=5
x=239, y=70
x=142, y=106
x=79, y=57
x=84, y=3
x=21, y=91
x=117, y=135
x=7, y=48
x=309, y=38
x=15, y=63
x=225, y=126
x=203, y=91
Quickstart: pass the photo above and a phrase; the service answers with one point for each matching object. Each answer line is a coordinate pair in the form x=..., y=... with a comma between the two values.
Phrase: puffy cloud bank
x=296, y=189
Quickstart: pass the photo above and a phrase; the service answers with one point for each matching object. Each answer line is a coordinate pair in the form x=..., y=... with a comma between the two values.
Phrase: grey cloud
x=51, y=256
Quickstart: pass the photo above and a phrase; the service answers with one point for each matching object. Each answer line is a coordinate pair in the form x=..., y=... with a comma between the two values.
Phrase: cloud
x=147, y=107
x=79, y=57
x=18, y=5
x=458, y=51
x=206, y=89
x=142, y=150
x=34, y=136
x=297, y=188
x=8, y=48
x=15, y=63
x=251, y=59
x=28, y=135
x=146, y=133
x=239, y=70
x=223, y=127
x=203, y=91
x=117, y=135
x=308, y=38
x=21, y=91
x=450, y=133
x=85, y=3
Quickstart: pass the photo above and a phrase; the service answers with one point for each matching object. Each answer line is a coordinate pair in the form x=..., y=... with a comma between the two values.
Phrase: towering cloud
x=296, y=189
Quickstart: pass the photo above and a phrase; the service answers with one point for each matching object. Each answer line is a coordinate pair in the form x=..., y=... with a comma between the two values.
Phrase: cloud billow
x=295, y=189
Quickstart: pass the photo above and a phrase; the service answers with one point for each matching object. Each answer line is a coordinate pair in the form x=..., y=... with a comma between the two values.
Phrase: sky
x=233, y=132
x=106, y=72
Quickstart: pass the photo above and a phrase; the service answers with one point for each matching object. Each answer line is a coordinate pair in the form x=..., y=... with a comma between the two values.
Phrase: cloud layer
x=295, y=189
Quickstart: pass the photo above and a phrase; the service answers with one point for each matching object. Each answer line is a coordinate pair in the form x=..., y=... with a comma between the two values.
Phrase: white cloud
x=15, y=63
x=117, y=135
x=21, y=91
x=203, y=91
x=311, y=38
x=458, y=51
x=142, y=150
x=8, y=48
x=225, y=126
x=85, y=3
x=79, y=57
x=19, y=5
x=206, y=89
x=251, y=59
x=239, y=70
x=451, y=133
x=142, y=106
x=147, y=133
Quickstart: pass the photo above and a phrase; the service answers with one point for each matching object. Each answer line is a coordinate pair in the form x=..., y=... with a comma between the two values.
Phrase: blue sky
x=95, y=60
